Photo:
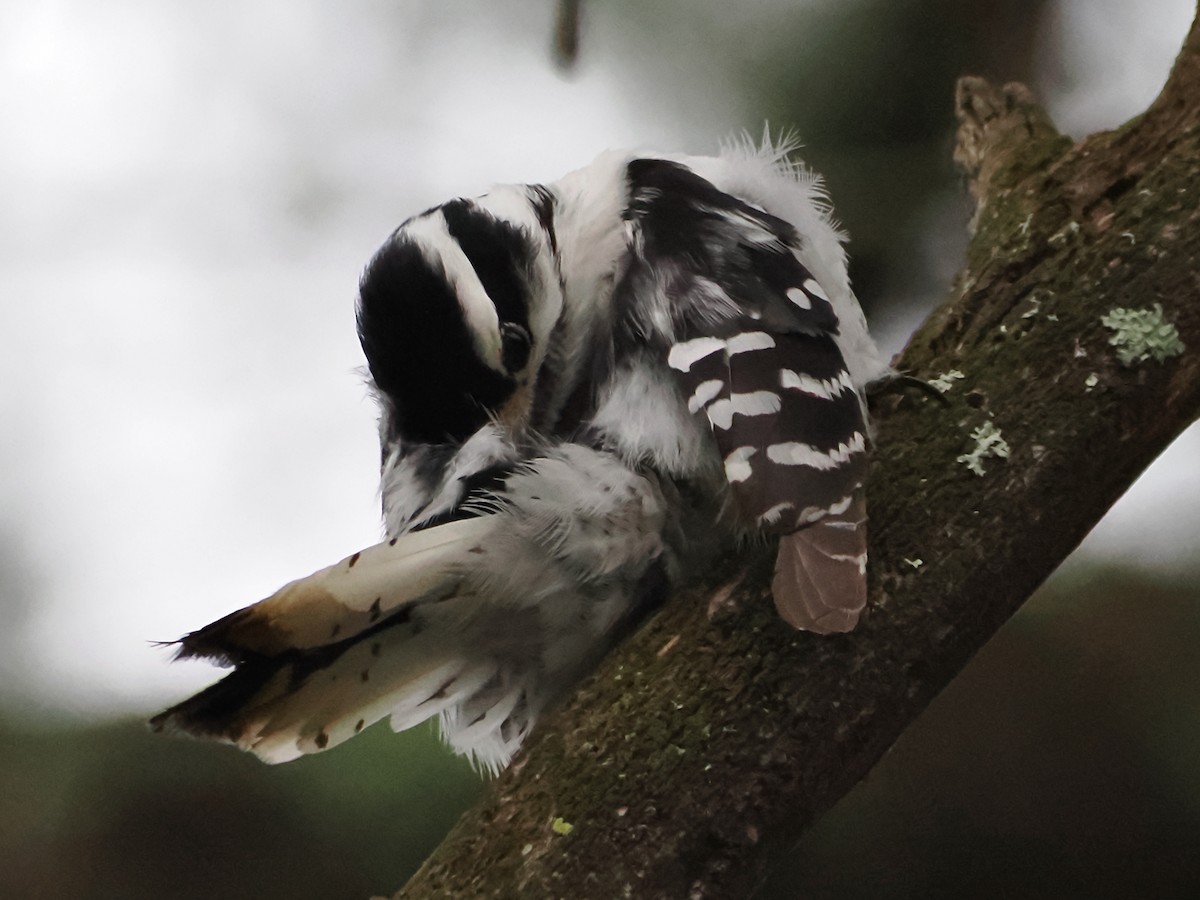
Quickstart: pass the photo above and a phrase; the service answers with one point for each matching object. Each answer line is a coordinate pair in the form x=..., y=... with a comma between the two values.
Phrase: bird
x=586, y=389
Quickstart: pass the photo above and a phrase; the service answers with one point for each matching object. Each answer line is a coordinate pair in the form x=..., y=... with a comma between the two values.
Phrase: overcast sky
x=190, y=192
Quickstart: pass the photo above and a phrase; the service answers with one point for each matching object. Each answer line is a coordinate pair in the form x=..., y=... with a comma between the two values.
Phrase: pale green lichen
x=945, y=381
x=988, y=443
x=915, y=563
x=1142, y=334
x=1091, y=381
x=561, y=826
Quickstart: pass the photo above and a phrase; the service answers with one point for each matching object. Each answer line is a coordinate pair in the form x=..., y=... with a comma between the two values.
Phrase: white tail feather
x=340, y=600
x=324, y=657
x=357, y=690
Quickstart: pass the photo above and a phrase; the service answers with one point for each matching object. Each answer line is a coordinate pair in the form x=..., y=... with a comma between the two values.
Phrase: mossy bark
x=715, y=734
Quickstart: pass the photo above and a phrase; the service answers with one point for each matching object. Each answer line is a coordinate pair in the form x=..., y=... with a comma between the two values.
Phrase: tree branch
x=716, y=734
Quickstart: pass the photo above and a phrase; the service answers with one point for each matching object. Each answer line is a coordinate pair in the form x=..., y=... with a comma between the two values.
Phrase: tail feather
x=820, y=580
x=338, y=701
x=486, y=720
x=444, y=687
x=344, y=599
x=302, y=703
x=490, y=726
x=330, y=654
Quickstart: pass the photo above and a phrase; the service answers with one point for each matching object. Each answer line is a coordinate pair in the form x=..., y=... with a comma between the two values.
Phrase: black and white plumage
x=586, y=388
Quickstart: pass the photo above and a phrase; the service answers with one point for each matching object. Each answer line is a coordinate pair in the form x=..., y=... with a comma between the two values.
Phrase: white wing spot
x=800, y=298
x=817, y=387
x=686, y=354
x=860, y=561
x=843, y=525
x=737, y=464
x=720, y=414
x=773, y=515
x=811, y=287
x=811, y=514
x=757, y=403
x=704, y=392
x=796, y=454
x=750, y=340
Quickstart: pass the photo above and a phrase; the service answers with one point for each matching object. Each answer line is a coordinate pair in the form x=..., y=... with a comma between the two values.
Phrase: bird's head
x=455, y=313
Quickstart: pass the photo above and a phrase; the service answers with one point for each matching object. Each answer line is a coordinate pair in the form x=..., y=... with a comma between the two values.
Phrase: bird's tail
x=328, y=655
x=820, y=580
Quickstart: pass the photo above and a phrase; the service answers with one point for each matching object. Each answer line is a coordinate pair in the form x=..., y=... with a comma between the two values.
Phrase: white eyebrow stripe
x=432, y=235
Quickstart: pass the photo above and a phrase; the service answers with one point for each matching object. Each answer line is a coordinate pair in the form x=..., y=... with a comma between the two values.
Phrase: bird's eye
x=514, y=346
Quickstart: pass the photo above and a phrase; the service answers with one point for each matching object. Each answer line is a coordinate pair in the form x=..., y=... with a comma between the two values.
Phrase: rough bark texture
x=715, y=734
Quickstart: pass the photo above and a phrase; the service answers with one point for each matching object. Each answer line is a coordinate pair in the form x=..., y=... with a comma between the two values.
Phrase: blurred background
x=190, y=191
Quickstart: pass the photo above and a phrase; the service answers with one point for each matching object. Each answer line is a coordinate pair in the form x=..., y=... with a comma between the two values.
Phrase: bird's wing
x=750, y=338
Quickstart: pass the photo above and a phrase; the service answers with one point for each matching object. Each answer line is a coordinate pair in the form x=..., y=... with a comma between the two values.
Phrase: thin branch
x=715, y=734
x=566, y=33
